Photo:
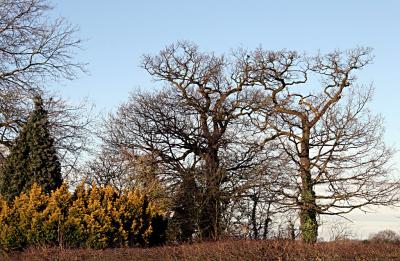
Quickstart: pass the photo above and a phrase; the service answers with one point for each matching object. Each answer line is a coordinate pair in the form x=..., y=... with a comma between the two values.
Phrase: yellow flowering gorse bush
x=91, y=217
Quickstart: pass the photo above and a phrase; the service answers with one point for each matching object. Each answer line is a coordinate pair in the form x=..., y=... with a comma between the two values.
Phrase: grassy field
x=225, y=250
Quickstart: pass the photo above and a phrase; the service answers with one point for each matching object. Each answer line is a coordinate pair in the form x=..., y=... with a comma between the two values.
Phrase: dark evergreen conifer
x=33, y=157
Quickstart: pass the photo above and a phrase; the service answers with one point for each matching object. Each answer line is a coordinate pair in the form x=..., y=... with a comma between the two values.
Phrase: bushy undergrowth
x=227, y=250
x=91, y=217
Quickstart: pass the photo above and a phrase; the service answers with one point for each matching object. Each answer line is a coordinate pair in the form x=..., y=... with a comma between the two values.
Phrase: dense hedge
x=91, y=217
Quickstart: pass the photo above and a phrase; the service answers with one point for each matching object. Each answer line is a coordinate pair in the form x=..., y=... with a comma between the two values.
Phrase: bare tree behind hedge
x=385, y=236
x=71, y=126
x=196, y=127
x=159, y=125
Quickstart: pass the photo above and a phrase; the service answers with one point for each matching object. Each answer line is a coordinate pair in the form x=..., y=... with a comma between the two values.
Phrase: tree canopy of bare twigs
x=196, y=127
x=320, y=116
x=233, y=136
x=35, y=50
x=32, y=49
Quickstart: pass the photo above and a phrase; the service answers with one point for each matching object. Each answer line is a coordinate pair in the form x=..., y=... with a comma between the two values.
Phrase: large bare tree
x=313, y=106
x=196, y=127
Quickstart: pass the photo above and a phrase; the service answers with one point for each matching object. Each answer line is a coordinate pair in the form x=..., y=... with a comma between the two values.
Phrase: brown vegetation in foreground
x=227, y=250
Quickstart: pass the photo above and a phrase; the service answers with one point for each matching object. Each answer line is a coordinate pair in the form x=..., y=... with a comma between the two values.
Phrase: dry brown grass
x=225, y=250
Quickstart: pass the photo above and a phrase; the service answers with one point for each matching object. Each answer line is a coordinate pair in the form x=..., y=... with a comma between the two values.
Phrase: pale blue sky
x=119, y=32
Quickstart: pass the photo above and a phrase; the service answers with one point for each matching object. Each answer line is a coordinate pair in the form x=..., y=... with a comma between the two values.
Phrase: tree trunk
x=308, y=213
x=266, y=222
x=210, y=219
x=254, y=216
x=291, y=231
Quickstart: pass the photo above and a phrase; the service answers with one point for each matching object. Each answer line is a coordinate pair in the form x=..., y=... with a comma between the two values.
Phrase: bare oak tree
x=339, y=159
x=195, y=127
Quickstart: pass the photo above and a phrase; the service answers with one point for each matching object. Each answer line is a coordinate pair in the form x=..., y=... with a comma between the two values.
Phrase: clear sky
x=119, y=32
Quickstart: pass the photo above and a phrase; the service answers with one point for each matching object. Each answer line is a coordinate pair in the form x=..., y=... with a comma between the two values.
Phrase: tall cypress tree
x=33, y=157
